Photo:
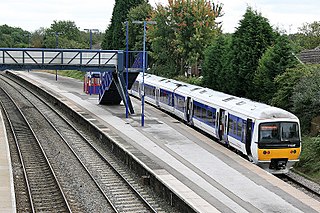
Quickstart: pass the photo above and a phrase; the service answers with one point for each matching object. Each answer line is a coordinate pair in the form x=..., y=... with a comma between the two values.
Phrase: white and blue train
x=270, y=137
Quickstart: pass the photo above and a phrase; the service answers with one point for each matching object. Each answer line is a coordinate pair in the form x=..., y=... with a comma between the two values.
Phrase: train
x=268, y=136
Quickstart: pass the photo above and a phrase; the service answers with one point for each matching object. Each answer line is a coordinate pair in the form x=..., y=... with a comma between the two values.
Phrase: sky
x=30, y=15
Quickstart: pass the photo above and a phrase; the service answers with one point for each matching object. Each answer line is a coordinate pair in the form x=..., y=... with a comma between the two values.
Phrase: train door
x=157, y=96
x=222, y=121
x=248, y=136
x=218, y=125
x=188, y=110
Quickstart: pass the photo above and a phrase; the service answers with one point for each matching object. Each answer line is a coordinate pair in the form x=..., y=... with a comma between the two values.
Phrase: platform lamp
x=90, y=31
x=57, y=45
x=29, y=38
x=144, y=63
x=127, y=67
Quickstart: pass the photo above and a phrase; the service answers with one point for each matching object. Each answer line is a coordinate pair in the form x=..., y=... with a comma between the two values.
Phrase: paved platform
x=205, y=174
x=7, y=197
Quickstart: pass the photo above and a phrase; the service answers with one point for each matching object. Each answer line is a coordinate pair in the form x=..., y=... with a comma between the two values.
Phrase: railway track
x=119, y=187
x=307, y=186
x=44, y=192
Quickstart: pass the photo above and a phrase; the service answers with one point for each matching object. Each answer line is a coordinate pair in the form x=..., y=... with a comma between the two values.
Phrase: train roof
x=229, y=102
x=241, y=105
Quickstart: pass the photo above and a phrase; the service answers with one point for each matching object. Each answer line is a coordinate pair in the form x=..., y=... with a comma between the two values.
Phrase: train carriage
x=268, y=136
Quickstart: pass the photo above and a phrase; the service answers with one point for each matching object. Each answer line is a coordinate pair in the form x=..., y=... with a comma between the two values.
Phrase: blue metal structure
x=144, y=64
x=109, y=62
x=60, y=59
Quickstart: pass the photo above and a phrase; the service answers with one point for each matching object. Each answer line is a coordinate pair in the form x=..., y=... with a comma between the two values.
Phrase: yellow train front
x=277, y=144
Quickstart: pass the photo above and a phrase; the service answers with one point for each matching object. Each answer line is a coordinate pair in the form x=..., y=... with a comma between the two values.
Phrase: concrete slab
x=7, y=196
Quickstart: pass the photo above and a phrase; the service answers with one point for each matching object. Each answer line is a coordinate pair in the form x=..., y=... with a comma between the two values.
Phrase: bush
x=190, y=80
x=309, y=163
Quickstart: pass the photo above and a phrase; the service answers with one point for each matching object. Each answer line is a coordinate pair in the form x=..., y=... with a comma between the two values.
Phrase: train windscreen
x=284, y=134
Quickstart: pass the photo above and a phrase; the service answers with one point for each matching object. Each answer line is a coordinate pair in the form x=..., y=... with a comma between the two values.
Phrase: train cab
x=278, y=144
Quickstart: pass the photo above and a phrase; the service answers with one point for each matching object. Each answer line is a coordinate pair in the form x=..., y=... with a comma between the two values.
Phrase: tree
x=13, y=37
x=251, y=39
x=114, y=35
x=166, y=59
x=141, y=12
x=306, y=98
x=273, y=62
x=37, y=38
x=215, y=65
x=192, y=26
x=308, y=36
x=285, y=84
x=68, y=34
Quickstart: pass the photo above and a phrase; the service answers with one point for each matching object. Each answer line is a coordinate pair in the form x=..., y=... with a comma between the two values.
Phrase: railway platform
x=206, y=175
x=7, y=198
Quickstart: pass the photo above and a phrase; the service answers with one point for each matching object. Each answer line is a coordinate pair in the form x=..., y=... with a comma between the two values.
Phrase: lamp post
x=144, y=63
x=57, y=45
x=57, y=39
x=90, y=31
x=127, y=66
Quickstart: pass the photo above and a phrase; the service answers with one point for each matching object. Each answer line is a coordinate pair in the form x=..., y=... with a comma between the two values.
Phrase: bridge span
x=110, y=63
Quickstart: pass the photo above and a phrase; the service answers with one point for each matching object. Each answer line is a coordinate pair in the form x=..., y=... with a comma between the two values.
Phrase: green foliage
x=250, y=41
x=166, y=59
x=215, y=67
x=308, y=36
x=184, y=30
x=285, y=84
x=190, y=80
x=309, y=163
x=273, y=62
x=37, y=38
x=68, y=35
x=141, y=12
x=306, y=98
x=114, y=35
x=68, y=73
x=13, y=37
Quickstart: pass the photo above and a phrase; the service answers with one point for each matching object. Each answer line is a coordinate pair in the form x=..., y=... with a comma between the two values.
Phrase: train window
x=209, y=117
x=239, y=127
x=214, y=117
x=202, y=113
x=269, y=132
x=234, y=126
x=179, y=102
x=230, y=125
x=289, y=132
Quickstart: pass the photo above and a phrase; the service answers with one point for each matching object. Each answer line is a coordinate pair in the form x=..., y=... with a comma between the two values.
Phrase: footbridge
x=110, y=63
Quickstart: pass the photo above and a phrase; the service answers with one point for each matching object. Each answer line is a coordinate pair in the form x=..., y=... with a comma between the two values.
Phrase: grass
x=309, y=164
x=69, y=73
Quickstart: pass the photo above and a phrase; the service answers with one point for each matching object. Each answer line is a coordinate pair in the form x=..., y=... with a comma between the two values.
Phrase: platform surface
x=208, y=176
x=7, y=198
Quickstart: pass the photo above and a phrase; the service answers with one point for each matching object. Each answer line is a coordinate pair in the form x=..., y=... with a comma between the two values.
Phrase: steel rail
x=147, y=204
x=65, y=141
x=42, y=152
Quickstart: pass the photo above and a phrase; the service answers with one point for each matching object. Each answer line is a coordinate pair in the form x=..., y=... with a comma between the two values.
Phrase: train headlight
x=293, y=151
